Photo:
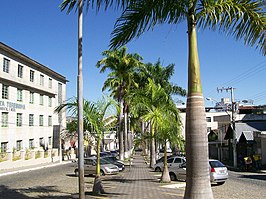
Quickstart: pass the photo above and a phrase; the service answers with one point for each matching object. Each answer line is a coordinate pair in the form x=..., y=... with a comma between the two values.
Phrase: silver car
x=218, y=172
x=173, y=161
x=90, y=167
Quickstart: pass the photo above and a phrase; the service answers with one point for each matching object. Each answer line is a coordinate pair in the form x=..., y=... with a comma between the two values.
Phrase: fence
x=15, y=159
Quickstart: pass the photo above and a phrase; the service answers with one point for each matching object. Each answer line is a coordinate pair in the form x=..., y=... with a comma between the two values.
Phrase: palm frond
x=243, y=19
x=143, y=15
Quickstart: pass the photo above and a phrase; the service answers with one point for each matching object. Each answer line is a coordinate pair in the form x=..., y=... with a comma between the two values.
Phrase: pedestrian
x=248, y=163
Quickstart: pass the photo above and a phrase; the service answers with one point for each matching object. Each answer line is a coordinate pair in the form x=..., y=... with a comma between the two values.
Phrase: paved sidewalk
x=140, y=182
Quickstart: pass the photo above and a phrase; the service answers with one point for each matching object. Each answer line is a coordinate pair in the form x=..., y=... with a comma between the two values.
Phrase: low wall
x=23, y=158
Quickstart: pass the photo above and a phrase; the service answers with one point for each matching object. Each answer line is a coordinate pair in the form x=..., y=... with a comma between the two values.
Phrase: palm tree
x=169, y=131
x=154, y=106
x=162, y=75
x=120, y=79
x=240, y=18
x=159, y=75
x=95, y=115
x=96, y=121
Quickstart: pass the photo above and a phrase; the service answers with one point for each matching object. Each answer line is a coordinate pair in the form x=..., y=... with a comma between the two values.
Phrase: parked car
x=113, y=160
x=105, y=153
x=114, y=153
x=218, y=172
x=106, y=167
x=173, y=161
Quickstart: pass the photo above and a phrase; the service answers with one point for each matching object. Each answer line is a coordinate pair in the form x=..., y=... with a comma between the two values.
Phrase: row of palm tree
x=244, y=19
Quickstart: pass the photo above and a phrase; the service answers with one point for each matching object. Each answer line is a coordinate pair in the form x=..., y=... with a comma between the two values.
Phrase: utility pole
x=231, y=89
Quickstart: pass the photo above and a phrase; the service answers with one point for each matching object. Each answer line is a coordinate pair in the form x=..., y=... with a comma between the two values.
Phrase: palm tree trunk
x=125, y=134
x=121, y=140
x=152, y=148
x=197, y=175
x=165, y=174
x=98, y=186
x=80, y=106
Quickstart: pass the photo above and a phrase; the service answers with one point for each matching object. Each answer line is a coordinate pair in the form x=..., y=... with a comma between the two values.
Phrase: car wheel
x=101, y=173
x=220, y=183
x=172, y=176
x=158, y=169
x=76, y=172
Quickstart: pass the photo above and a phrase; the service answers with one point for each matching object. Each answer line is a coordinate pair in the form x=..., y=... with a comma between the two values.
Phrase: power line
x=246, y=74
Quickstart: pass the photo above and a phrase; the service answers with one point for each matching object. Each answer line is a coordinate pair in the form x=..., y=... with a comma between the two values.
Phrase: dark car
x=113, y=160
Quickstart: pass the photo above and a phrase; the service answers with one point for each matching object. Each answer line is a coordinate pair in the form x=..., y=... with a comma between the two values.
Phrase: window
x=3, y=147
x=31, y=75
x=60, y=93
x=31, y=120
x=4, y=119
x=50, y=141
x=4, y=91
x=49, y=120
x=41, y=120
x=41, y=99
x=20, y=71
x=31, y=97
x=31, y=143
x=50, y=83
x=50, y=102
x=41, y=80
x=19, y=145
x=19, y=95
x=19, y=119
x=178, y=160
x=208, y=119
x=6, y=65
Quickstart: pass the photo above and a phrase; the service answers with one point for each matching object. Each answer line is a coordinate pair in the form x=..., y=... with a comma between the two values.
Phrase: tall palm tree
x=159, y=75
x=120, y=79
x=240, y=18
x=152, y=104
x=162, y=75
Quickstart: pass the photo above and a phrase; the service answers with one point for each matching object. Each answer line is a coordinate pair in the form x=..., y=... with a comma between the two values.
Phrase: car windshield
x=102, y=161
x=216, y=163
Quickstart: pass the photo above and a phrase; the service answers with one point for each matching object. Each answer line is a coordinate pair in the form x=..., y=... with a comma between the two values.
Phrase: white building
x=29, y=94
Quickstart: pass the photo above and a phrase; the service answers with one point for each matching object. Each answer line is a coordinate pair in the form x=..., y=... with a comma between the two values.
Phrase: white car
x=174, y=161
x=218, y=172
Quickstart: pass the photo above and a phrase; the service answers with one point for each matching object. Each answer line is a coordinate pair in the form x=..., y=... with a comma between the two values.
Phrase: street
x=60, y=182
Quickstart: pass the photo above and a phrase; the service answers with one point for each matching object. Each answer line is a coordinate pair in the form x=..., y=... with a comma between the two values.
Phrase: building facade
x=30, y=92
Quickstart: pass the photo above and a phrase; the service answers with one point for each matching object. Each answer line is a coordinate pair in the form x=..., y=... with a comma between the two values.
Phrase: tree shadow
x=256, y=177
x=40, y=192
x=104, y=195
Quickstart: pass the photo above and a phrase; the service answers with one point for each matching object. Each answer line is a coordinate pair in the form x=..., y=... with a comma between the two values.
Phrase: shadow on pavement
x=257, y=177
x=36, y=192
x=106, y=194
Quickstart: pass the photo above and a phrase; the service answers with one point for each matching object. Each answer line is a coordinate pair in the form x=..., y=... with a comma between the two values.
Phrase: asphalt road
x=53, y=182
x=60, y=182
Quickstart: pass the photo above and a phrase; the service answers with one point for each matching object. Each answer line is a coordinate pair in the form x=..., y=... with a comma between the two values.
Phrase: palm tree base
x=97, y=186
x=165, y=178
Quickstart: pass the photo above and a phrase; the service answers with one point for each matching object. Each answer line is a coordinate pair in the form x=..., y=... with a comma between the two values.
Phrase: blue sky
x=39, y=30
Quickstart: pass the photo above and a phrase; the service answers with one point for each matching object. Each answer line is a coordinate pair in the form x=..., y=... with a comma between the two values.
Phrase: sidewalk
x=140, y=182
x=4, y=172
